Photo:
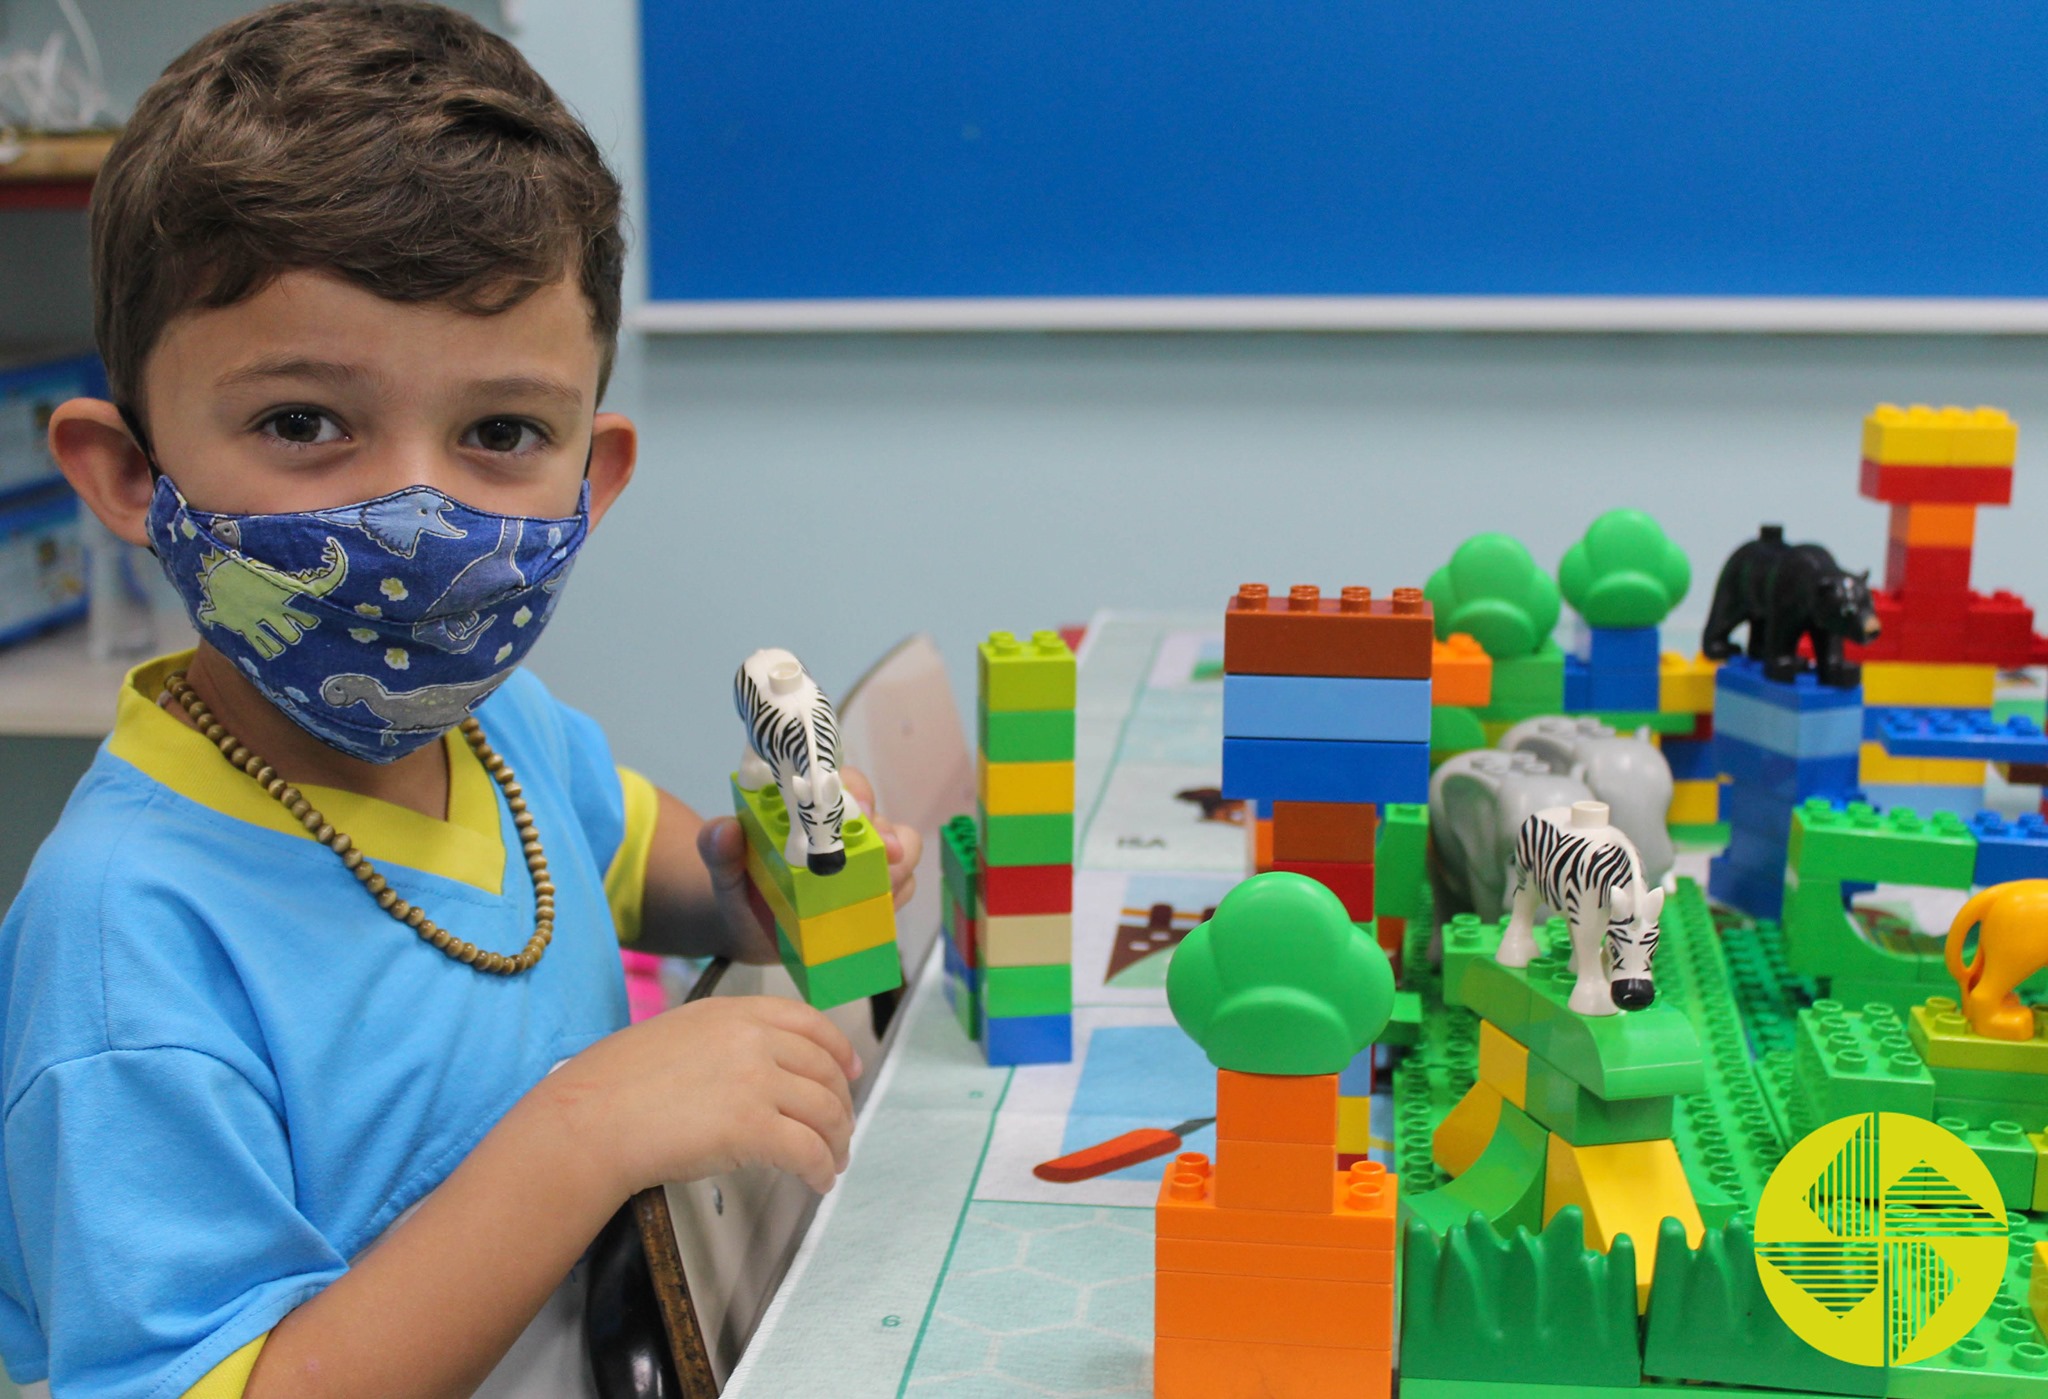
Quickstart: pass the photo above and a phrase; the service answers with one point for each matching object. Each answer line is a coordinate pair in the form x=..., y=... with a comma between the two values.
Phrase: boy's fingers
x=863, y=790
x=813, y=1026
x=820, y=1111
x=803, y=1153
x=800, y=1056
x=723, y=848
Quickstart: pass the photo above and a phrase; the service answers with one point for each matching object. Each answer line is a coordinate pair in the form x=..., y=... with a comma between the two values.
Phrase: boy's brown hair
x=399, y=146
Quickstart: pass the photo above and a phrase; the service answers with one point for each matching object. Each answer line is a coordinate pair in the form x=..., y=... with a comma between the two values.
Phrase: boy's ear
x=614, y=448
x=93, y=447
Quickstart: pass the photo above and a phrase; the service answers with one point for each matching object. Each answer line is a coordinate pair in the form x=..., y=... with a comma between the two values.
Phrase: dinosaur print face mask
x=377, y=627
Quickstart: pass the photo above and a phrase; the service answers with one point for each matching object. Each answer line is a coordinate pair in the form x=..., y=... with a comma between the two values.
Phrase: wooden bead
x=353, y=859
x=416, y=915
x=387, y=898
x=375, y=884
x=339, y=843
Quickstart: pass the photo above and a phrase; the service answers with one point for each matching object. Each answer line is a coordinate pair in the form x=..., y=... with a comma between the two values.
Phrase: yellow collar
x=468, y=847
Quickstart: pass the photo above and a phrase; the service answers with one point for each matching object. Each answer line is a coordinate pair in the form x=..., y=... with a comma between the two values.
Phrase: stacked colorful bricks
x=837, y=932
x=1685, y=685
x=1023, y=925
x=959, y=844
x=1779, y=743
x=1928, y=679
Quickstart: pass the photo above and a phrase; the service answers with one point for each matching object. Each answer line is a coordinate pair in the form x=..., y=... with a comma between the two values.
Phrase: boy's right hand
x=709, y=1087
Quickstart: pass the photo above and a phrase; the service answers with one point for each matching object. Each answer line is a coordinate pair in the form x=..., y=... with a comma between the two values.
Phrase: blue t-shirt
x=226, y=1070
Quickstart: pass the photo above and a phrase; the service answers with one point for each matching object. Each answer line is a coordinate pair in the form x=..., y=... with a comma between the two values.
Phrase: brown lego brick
x=1337, y=831
x=1306, y=633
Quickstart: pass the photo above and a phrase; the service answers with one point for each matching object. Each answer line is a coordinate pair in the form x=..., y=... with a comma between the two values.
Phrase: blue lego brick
x=1748, y=808
x=1623, y=689
x=2009, y=850
x=1874, y=716
x=1028, y=1039
x=1326, y=707
x=1795, y=733
x=1578, y=686
x=1356, y=1080
x=1316, y=770
x=1938, y=733
x=1756, y=891
x=1965, y=802
x=1616, y=648
x=1691, y=759
x=1744, y=676
x=1746, y=764
x=1262, y=807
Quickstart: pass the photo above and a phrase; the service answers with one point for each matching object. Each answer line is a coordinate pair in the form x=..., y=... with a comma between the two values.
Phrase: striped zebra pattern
x=797, y=735
x=1580, y=872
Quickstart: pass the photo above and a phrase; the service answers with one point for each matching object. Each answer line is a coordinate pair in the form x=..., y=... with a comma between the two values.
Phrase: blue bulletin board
x=1843, y=164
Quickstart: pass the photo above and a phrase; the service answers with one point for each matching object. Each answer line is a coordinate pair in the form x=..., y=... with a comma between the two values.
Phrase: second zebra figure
x=1572, y=859
x=793, y=741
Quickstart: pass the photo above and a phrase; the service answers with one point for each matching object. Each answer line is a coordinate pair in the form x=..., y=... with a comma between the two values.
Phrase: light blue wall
x=831, y=494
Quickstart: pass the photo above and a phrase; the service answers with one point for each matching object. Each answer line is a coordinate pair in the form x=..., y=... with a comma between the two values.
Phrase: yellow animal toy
x=2012, y=944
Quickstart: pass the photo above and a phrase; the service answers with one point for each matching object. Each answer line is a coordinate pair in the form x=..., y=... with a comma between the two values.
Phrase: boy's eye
x=505, y=435
x=302, y=427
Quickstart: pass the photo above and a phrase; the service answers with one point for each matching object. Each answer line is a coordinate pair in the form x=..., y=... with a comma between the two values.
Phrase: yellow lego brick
x=1951, y=436
x=1685, y=684
x=1462, y=1135
x=1935, y=526
x=2037, y=1285
x=824, y=936
x=1928, y=686
x=1504, y=1064
x=1945, y=1040
x=1354, y=1126
x=1879, y=766
x=1628, y=1188
x=2040, y=1141
x=1695, y=802
x=1026, y=940
x=1024, y=789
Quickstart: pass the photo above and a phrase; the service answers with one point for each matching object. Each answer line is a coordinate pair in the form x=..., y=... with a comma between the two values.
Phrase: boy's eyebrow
x=323, y=371
x=525, y=385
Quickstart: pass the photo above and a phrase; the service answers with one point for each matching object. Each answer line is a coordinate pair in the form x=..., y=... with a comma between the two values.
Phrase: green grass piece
x=843, y=979
x=1014, y=991
x=1861, y=844
x=1034, y=674
x=1039, y=839
x=1026, y=735
x=766, y=822
x=1558, y=1102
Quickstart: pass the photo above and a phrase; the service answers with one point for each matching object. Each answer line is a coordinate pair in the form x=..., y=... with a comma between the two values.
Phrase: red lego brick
x=1352, y=884
x=1953, y=629
x=1193, y=1367
x=1305, y=633
x=966, y=933
x=1916, y=570
x=1278, y=1108
x=1012, y=890
x=1341, y=831
x=1937, y=485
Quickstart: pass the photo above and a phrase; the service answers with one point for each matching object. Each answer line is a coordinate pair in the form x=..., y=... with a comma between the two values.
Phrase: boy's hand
x=723, y=846
x=709, y=1087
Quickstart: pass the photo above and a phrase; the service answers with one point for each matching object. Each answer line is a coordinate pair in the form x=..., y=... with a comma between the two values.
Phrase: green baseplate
x=1551, y=1317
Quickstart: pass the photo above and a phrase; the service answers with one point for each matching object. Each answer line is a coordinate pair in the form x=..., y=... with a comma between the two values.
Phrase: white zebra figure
x=1573, y=859
x=793, y=741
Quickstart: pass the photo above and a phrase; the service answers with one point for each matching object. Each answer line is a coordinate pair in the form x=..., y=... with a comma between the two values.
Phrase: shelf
x=51, y=687
x=54, y=172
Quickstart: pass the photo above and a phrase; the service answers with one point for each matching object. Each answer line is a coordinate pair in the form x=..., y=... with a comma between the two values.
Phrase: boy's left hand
x=723, y=846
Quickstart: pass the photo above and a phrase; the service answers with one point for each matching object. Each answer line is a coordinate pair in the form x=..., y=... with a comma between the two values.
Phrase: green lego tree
x=1494, y=590
x=1625, y=572
x=1279, y=981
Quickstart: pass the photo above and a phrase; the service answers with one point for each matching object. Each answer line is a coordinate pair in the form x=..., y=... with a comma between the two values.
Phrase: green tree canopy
x=1494, y=590
x=1279, y=981
x=1626, y=572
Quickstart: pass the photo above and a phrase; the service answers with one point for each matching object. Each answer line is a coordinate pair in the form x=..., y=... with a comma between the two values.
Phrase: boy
x=281, y=996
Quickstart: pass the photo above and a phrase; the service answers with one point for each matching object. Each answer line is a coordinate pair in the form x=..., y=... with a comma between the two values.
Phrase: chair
x=683, y=1273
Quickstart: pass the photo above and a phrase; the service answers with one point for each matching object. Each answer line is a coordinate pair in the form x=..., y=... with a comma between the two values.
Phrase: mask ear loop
x=133, y=421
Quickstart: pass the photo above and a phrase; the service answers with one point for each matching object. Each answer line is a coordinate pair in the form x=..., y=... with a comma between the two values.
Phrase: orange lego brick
x=1247, y=1260
x=1935, y=526
x=1262, y=846
x=1296, y=1311
x=1305, y=633
x=1191, y=1367
x=1363, y=1205
x=1461, y=673
x=1255, y=1175
x=1276, y=1107
x=1339, y=831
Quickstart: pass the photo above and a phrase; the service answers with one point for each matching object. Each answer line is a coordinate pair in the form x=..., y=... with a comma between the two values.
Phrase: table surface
x=940, y=1266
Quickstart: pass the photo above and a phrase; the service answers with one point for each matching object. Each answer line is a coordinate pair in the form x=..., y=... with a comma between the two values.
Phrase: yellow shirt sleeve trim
x=625, y=883
x=228, y=1379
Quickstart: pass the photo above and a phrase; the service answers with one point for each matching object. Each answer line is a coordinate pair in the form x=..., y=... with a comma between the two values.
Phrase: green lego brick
x=1944, y=1038
x=1679, y=725
x=2003, y=1356
x=1983, y=1112
x=1893, y=847
x=2006, y=1150
x=1026, y=735
x=766, y=822
x=1542, y=1307
x=1404, y=1027
x=966, y=1007
x=1535, y=679
x=1511, y=1389
x=1634, y=1054
x=1400, y=860
x=1563, y=1105
x=1015, y=991
x=1709, y=837
x=959, y=855
x=1505, y=1184
x=1710, y=1322
x=843, y=979
x=1823, y=941
x=1045, y=838
x=1856, y=1061
x=1034, y=674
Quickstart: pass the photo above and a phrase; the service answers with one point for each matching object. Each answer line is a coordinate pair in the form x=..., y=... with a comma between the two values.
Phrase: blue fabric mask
x=377, y=627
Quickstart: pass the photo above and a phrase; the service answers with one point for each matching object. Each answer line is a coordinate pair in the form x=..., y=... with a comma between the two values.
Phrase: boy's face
x=315, y=393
